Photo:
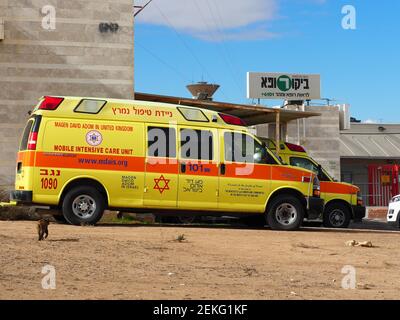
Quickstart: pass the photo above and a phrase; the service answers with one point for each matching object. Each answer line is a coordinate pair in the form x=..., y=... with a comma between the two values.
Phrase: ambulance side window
x=303, y=163
x=196, y=144
x=309, y=165
x=161, y=142
x=241, y=147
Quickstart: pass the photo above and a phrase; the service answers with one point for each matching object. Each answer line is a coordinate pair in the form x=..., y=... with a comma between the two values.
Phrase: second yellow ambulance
x=343, y=202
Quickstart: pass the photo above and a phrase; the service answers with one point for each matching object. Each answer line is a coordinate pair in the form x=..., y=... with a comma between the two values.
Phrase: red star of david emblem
x=161, y=184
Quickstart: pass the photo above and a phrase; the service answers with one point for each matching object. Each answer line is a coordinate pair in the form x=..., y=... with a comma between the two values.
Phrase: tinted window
x=196, y=144
x=241, y=147
x=309, y=165
x=303, y=163
x=24, y=141
x=161, y=142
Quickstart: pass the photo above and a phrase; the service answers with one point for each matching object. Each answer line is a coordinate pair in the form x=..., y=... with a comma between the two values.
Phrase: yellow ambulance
x=343, y=202
x=84, y=155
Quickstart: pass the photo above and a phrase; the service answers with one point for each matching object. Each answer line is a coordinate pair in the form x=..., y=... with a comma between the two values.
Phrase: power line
x=230, y=60
x=204, y=69
x=215, y=37
x=179, y=73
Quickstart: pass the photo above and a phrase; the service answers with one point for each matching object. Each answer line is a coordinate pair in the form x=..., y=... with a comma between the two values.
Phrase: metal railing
x=379, y=198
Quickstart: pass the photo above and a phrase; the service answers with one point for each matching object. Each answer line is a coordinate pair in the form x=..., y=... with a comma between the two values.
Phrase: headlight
x=395, y=199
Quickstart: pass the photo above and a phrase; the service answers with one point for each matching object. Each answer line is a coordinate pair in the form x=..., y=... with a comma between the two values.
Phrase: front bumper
x=359, y=212
x=315, y=207
x=21, y=196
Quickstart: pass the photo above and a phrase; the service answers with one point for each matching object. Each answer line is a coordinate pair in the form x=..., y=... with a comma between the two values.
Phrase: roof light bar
x=50, y=103
x=228, y=119
x=294, y=147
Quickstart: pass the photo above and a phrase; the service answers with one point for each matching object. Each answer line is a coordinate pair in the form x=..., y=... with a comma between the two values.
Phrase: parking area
x=151, y=261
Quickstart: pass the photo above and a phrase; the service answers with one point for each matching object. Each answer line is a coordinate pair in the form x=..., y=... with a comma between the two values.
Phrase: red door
x=383, y=182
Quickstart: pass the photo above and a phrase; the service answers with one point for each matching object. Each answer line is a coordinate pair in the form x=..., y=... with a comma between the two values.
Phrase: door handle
x=222, y=168
x=183, y=167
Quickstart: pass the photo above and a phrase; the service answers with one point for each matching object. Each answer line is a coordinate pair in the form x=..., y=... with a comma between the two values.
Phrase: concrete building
x=53, y=47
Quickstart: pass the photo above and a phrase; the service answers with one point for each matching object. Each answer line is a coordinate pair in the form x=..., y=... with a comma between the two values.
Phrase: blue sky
x=178, y=42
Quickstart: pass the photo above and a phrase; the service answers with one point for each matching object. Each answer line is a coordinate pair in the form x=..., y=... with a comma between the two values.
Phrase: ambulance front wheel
x=83, y=205
x=336, y=215
x=286, y=212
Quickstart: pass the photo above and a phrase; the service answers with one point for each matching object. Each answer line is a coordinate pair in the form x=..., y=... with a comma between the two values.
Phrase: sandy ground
x=144, y=262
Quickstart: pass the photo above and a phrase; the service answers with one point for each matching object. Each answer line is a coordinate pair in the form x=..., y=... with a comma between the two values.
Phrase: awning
x=371, y=142
x=251, y=114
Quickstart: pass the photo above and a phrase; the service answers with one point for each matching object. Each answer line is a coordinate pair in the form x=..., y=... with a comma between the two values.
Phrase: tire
x=336, y=216
x=83, y=205
x=285, y=212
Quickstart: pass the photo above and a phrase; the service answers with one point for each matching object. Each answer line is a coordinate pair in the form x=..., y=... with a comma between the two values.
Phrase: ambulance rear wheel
x=336, y=216
x=83, y=205
x=285, y=213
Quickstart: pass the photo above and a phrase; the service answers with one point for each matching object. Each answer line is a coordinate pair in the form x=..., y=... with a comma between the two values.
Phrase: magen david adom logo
x=94, y=138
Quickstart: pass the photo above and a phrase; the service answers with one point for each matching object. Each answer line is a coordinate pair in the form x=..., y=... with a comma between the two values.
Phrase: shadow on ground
x=356, y=227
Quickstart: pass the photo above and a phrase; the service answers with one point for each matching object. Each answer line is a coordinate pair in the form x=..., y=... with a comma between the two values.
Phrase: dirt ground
x=145, y=262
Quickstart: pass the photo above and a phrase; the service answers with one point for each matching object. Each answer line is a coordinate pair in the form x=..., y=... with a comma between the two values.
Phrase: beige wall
x=74, y=59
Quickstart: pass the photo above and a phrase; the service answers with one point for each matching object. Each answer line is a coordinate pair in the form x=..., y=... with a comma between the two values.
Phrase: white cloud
x=212, y=20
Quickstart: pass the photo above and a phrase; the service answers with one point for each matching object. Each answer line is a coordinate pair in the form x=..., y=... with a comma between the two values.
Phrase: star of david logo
x=161, y=184
x=94, y=138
